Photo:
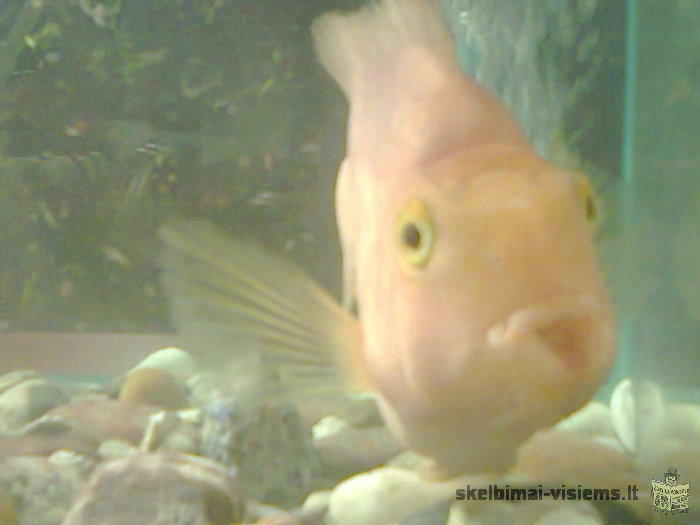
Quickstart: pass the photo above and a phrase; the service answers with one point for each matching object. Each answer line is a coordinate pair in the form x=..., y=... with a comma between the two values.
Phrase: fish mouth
x=570, y=327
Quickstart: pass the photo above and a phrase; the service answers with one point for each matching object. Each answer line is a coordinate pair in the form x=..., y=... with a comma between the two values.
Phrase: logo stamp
x=668, y=496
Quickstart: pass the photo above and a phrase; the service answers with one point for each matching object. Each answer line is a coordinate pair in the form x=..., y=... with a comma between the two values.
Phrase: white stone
x=174, y=361
x=15, y=378
x=316, y=504
x=115, y=448
x=190, y=415
x=571, y=514
x=531, y=512
x=329, y=426
x=610, y=442
x=68, y=459
x=482, y=513
x=167, y=431
x=26, y=401
x=389, y=495
x=638, y=423
x=592, y=420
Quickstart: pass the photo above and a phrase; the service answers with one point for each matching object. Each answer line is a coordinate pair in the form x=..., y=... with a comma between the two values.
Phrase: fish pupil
x=590, y=208
x=411, y=236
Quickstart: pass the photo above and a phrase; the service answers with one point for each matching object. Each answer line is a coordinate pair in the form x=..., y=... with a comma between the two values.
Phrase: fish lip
x=526, y=325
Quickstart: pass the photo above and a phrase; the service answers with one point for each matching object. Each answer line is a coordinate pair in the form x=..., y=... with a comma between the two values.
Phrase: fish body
x=505, y=327
x=482, y=313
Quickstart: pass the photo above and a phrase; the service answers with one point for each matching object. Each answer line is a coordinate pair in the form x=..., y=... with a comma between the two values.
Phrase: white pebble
x=591, y=420
x=637, y=422
x=174, y=361
x=115, y=448
x=389, y=495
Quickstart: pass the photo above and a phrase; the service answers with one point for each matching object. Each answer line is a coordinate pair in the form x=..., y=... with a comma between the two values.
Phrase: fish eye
x=415, y=233
x=584, y=190
x=411, y=236
x=591, y=208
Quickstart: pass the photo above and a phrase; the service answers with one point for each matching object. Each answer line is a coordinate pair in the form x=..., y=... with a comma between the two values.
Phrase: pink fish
x=482, y=313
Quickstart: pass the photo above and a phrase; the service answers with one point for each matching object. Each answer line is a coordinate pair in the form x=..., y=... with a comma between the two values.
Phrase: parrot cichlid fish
x=482, y=315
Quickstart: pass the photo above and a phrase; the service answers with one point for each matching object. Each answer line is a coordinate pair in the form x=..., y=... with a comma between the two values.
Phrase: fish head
x=483, y=279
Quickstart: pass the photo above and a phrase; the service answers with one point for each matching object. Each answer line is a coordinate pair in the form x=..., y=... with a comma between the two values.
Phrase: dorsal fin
x=396, y=63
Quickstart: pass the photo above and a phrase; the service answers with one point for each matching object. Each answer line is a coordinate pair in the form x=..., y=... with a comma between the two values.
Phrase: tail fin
x=350, y=45
x=236, y=303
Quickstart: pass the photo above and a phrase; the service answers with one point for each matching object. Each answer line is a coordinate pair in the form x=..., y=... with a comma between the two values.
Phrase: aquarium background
x=117, y=117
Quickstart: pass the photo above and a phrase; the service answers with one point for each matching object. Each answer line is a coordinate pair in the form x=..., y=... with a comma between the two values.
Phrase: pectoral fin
x=242, y=300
